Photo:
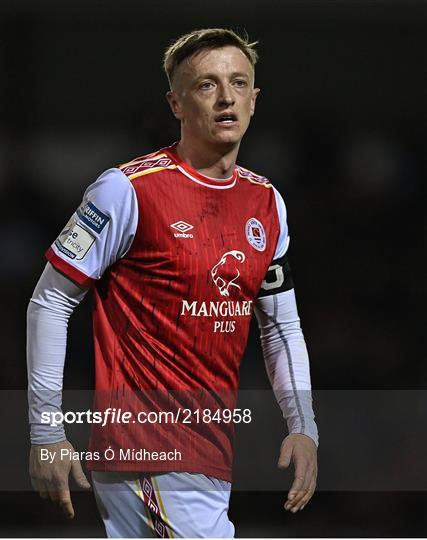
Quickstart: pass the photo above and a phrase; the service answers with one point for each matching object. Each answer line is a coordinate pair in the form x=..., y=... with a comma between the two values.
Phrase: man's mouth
x=225, y=118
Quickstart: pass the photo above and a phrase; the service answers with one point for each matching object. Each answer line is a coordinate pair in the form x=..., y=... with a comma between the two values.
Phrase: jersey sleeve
x=283, y=241
x=100, y=231
x=278, y=277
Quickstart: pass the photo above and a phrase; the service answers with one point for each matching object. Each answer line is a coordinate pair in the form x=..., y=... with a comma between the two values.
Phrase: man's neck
x=213, y=161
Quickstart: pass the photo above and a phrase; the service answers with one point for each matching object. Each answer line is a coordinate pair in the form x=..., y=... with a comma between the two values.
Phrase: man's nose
x=225, y=95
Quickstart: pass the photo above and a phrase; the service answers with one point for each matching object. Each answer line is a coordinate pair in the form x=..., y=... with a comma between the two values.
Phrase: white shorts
x=167, y=505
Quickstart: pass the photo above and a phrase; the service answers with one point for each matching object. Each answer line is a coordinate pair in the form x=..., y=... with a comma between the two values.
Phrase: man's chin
x=227, y=139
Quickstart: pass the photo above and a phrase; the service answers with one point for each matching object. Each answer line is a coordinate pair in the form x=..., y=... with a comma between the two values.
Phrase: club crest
x=255, y=234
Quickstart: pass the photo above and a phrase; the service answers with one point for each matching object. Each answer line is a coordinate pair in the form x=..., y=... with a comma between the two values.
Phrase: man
x=178, y=246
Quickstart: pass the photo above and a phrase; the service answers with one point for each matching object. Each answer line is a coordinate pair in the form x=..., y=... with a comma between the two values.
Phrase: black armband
x=278, y=278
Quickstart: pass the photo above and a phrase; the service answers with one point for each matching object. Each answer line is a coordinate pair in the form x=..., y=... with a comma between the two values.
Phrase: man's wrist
x=41, y=434
x=312, y=436
x=308, y=428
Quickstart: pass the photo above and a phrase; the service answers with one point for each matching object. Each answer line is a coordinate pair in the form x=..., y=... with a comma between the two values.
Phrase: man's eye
x=206, y=86
x=240, y=83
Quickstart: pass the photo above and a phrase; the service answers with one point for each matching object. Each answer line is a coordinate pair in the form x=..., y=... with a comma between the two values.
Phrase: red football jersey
x=172, y=312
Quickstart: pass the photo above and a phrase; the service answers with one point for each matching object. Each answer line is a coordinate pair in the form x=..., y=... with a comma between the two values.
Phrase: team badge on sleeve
x=278, y=278
x=74, y=241
x=93, y=217
x=255, y=234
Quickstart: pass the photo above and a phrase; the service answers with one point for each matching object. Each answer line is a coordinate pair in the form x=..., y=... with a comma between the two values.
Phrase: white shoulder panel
x=101, y=230
x=283, y=241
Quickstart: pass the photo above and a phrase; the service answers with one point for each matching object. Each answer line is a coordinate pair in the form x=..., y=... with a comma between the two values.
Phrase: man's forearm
x=286, y=360
x=49, y=310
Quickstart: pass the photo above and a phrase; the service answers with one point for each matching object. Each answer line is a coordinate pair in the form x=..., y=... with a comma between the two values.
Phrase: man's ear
x=255, y=93
x=174, y=104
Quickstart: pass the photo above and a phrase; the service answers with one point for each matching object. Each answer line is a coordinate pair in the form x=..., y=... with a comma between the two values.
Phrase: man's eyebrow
x=215, y=76
x=240, y=74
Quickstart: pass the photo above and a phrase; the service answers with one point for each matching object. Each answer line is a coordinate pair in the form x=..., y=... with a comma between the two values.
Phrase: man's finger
x=40, y=486
x=64, y=500
x=285, y=455
x=52, y=491
x=35, y=483
x=308, y=495
x=64, y=497
x=299, y=486
x=79, y=476
x=300, y=477
x=296, y=502
x=44, y=494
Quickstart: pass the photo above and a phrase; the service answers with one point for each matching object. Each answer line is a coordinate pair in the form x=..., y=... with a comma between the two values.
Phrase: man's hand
x=50, y=477
x=303, y=452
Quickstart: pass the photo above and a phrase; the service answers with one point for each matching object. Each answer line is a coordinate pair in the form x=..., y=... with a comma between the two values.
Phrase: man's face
x=213, y=95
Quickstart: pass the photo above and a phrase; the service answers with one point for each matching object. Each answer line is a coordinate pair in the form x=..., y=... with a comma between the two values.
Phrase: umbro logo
x=183, y=228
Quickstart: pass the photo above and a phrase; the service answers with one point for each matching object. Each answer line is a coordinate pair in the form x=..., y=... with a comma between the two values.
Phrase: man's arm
x=53, y=301
x=287, y=366
x=99, y=233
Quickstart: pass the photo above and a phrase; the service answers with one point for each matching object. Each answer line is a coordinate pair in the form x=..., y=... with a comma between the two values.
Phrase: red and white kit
x=176, y=260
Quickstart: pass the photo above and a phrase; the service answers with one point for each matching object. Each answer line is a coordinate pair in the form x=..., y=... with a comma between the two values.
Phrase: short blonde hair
x=205, y=39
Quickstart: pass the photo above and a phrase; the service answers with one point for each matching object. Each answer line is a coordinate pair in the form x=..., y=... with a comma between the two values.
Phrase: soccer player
x=179, y=247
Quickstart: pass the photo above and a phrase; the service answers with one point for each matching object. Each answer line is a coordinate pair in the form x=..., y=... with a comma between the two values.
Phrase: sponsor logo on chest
x=225, y=275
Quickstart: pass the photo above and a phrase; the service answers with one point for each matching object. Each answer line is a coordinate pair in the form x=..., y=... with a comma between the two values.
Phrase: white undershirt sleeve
x=49, y=310
x=286, y=360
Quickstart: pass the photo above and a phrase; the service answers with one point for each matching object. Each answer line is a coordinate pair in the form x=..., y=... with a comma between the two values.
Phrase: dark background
x=340, y=129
